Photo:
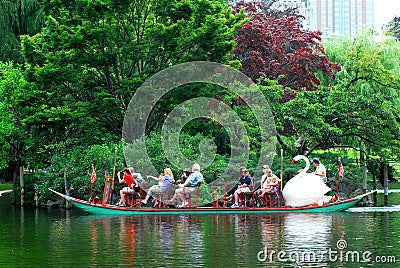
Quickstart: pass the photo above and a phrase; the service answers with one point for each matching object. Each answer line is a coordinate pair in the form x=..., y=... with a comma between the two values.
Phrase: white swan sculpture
x=305, y=188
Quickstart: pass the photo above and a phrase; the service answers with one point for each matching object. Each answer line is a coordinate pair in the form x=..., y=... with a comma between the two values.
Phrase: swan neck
x=307, y=165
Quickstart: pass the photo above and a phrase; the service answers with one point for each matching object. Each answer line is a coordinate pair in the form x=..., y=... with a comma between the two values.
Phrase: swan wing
x=304, y=190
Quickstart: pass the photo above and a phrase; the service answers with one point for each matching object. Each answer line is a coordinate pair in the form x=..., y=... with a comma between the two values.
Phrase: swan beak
x=293, y=161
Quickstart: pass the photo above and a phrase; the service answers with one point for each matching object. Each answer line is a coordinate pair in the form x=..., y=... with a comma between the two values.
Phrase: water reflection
x=64, y=238
x=158, y=239
x=271, y=230
x=127, y=239
x=307, y=237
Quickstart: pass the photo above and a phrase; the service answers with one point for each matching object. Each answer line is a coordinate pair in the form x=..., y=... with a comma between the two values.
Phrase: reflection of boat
x=115, y=210
x=300, y=228
x=307, y=237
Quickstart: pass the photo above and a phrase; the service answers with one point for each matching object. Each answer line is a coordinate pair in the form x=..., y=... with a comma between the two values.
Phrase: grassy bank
x=5, y=186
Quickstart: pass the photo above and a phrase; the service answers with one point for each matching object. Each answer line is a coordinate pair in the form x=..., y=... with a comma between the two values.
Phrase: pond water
x=363, y=237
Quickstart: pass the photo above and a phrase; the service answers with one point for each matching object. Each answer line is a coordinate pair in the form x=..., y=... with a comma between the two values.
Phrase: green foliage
x=75, y=165
x=5, y=186
x=63, y=109
x=19, y=17
x=366, y=96
x=359, y=108
x=393, y=28
x=13, y=89
x=90, y=58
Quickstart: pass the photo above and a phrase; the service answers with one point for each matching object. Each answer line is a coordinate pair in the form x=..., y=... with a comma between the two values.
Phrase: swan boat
x=112, y=210
x=318, y=189
x=305, y=188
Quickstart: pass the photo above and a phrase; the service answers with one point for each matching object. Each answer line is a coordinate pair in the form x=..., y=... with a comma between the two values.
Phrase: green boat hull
x=112, y=210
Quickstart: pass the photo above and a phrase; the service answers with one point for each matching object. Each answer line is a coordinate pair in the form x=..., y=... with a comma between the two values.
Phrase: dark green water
x=60, y=238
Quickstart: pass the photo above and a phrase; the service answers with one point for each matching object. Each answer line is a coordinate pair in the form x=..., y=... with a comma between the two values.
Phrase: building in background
x=341, y=17
x=333, y=17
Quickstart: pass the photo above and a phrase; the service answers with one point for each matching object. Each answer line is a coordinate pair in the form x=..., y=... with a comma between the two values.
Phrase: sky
x=385, y=11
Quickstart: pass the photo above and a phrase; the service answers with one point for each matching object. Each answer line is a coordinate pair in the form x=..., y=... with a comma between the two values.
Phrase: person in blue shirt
x=244, y=187
x=188, y=187
x=164, y=181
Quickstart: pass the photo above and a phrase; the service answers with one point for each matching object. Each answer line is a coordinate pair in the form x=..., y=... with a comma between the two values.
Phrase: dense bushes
x=76, y=164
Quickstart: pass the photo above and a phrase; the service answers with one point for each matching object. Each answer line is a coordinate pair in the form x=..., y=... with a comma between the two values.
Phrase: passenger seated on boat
x=188, y=187
x=245, y=182
x=128, y=179
x=269, y=184
x=186, y=173
x=230, y=193
x=264, y=176
x=139, y=179
x=164, y=180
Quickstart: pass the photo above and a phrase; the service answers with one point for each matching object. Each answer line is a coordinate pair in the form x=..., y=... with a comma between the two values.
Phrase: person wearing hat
x=245, y=182
x=320, y=169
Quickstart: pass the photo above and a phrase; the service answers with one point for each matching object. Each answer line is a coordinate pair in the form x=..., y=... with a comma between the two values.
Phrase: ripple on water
x=394, y=208
x=69, y=239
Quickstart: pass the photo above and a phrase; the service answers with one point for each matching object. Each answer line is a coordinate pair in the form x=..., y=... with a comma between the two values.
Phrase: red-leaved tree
x=271, y=47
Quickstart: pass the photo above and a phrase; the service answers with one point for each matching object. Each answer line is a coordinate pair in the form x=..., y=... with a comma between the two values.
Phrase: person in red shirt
x=128, y=179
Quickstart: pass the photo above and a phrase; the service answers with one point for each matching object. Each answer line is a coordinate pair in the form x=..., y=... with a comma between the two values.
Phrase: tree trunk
x=364, y=183
x=22, y=185
x=385, y=185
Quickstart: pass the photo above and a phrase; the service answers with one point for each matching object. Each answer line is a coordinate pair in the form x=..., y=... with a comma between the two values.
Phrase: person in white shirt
x=320, y=169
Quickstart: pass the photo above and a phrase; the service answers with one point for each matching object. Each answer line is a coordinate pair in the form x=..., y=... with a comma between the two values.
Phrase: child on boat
x=269, y=185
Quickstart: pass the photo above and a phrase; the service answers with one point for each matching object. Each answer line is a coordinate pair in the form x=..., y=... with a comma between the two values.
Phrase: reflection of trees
x=188, y=240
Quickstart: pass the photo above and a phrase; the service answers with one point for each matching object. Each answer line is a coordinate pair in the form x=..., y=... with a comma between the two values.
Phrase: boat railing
x=218, y=195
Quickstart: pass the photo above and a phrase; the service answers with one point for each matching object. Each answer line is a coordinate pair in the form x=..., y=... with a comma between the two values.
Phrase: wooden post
x=22, y=185
x=281, y=168
x=107, y=189
x=36, y=200
x=375, y=193
x=364, y=183
x=67, y=203
x=14, y=197
x=338, y=182
x=385, y=185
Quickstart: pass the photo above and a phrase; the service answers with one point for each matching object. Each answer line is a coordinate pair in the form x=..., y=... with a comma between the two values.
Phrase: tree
x=92, y=56
x=277, y=48
x=19, y=17
x=13, y=134
x=393, y=27
x=270, y=10
x=360, y=109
